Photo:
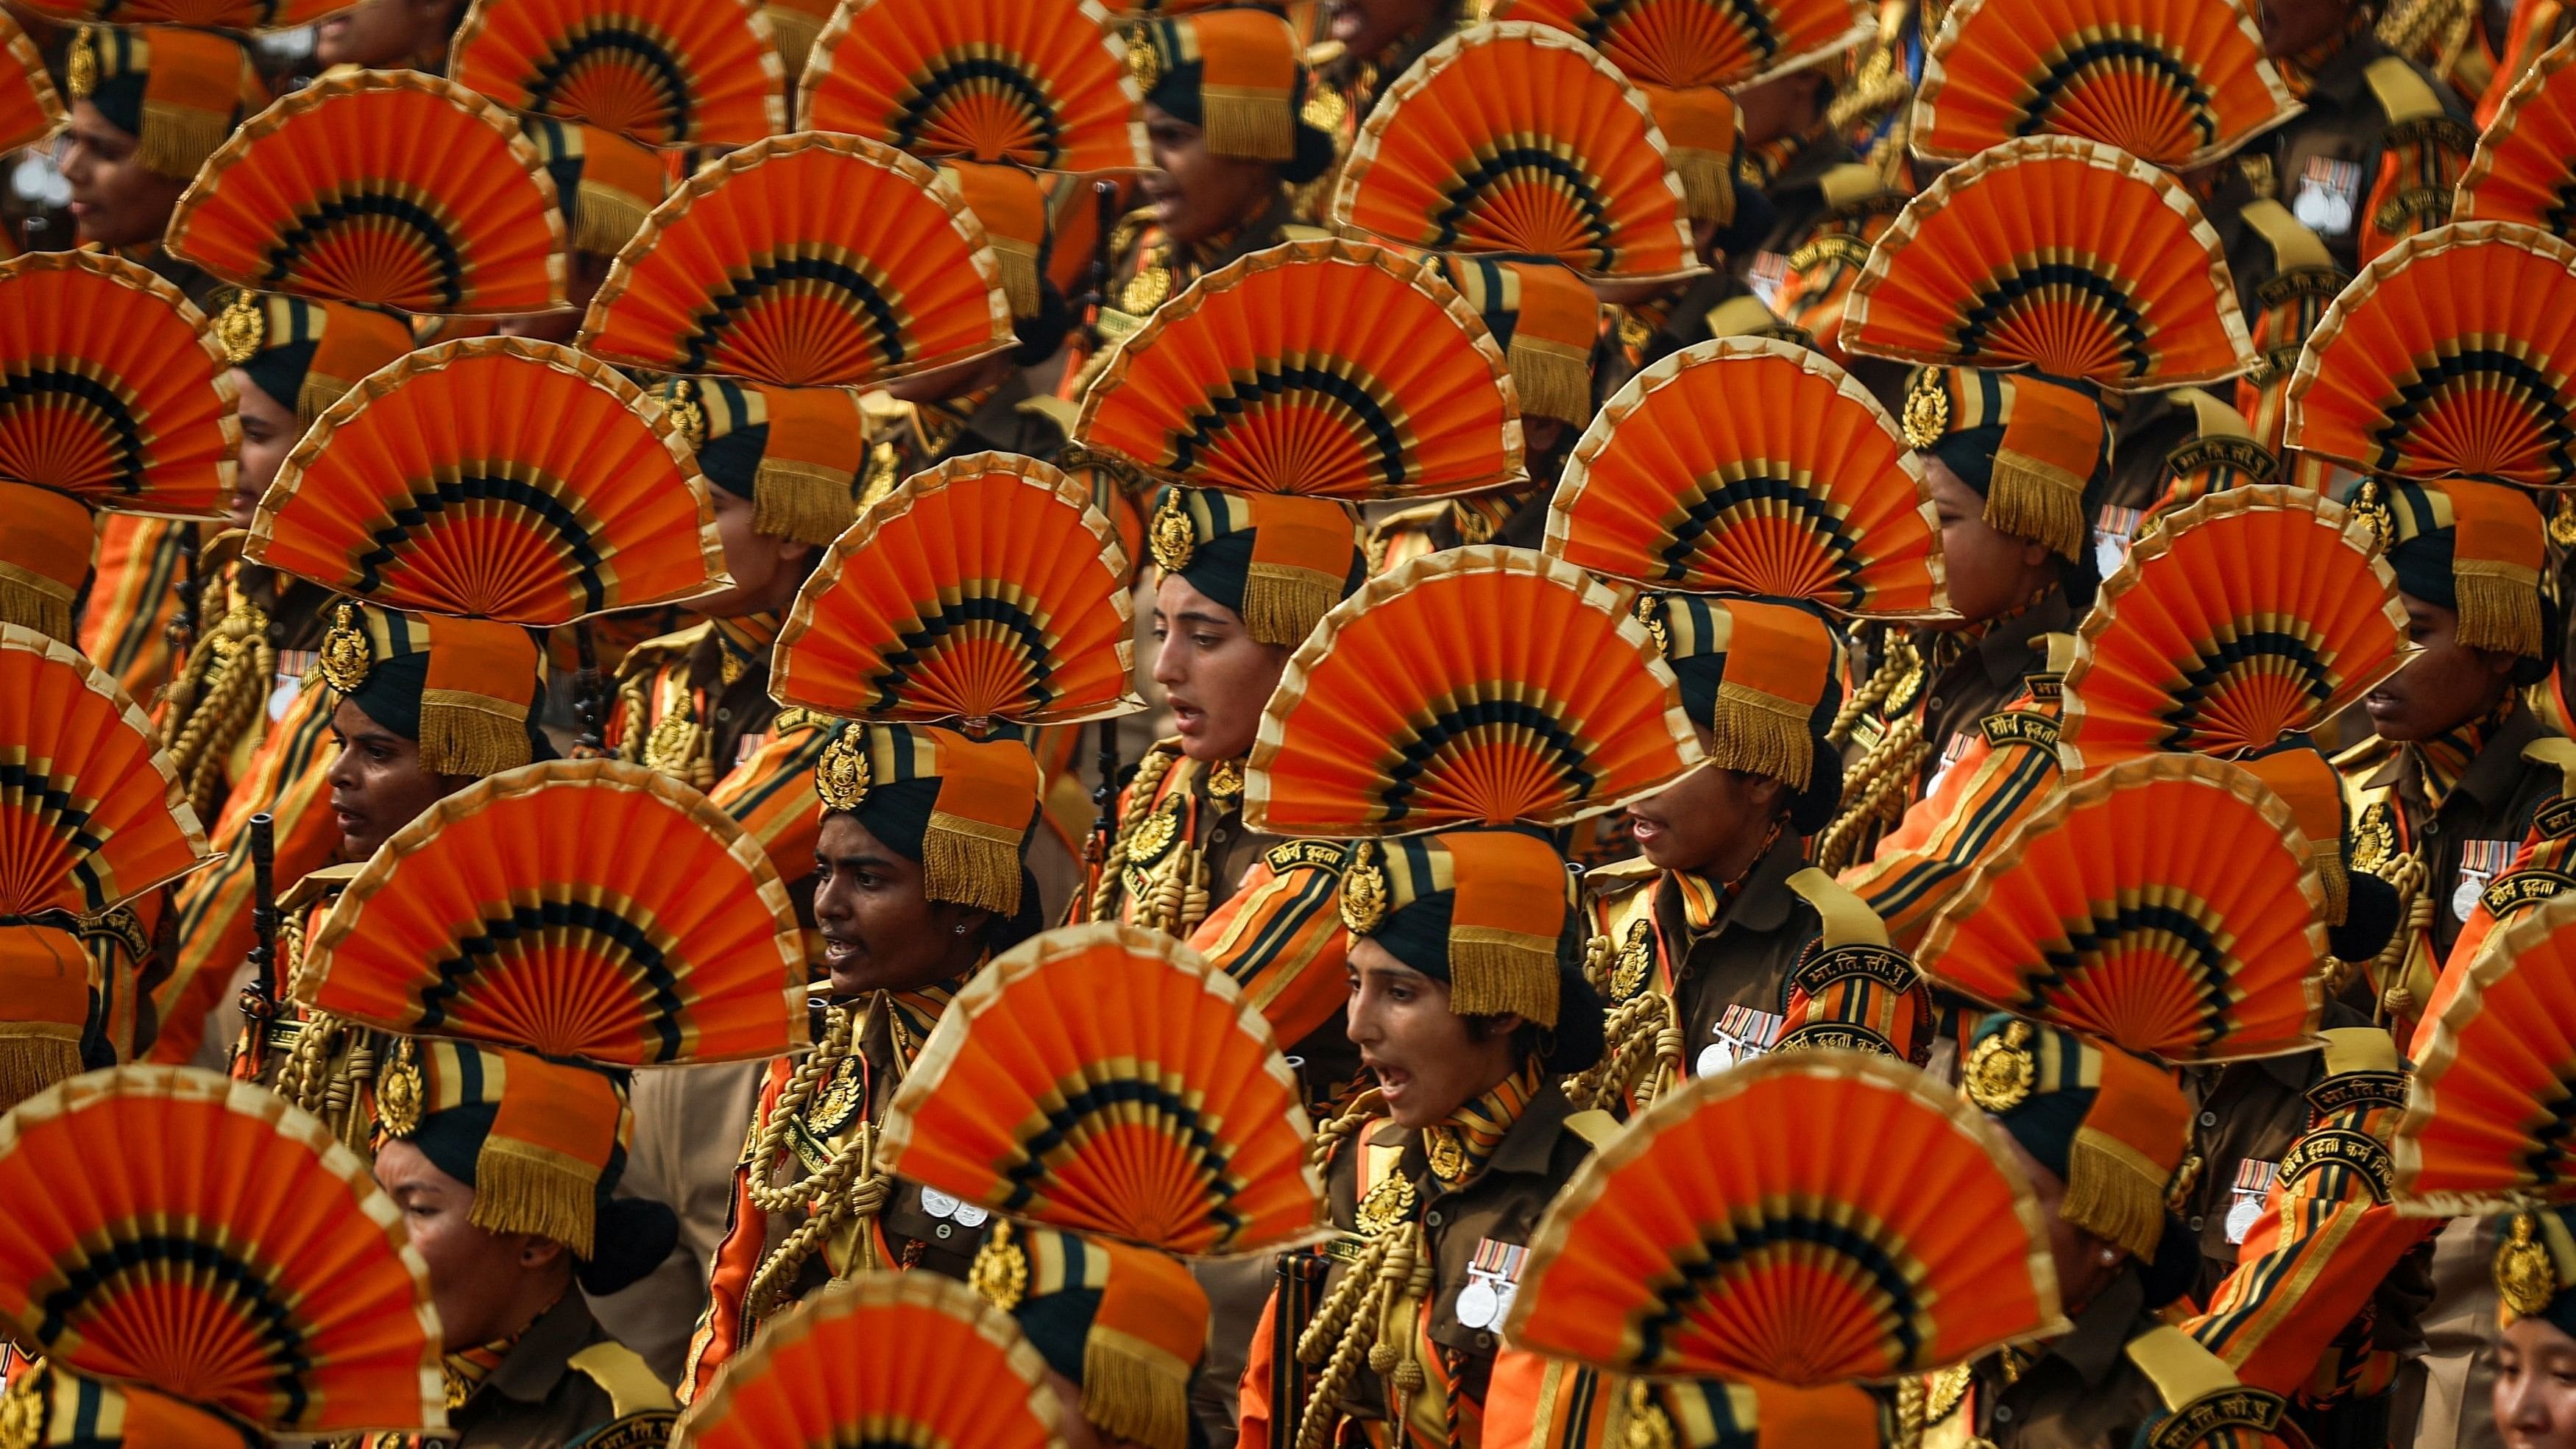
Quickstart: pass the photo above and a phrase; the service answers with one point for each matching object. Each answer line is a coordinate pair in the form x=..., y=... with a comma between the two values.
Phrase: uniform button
x=1484, y=1340
x=944, y=1231
x=1933, y=705
x=724, y=716
x=2196, y=1222
x=2208, y=1119
x=1433, y=1217
x=2003, y=1413
x=1219, y=836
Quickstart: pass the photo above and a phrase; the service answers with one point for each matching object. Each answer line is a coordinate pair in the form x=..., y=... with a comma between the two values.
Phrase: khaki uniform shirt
x=1744, y=960
x=2490, y=810
x=2081, y=1392
x=565, y=1385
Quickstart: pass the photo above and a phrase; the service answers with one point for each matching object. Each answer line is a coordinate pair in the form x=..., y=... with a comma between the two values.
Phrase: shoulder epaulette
x=2402, y=91
x=633, y=1388
x=2201, y=1394
x=318, y=883
x=2294, y=247
x=2368, y=755
x=1621, y=875
x=1744, y=316
x=1061, y=412
x=1594, y=1126
x=1420, y=515
x=1847, y=918
x=1296, y=231
x=1857, y=186
x=661, y=649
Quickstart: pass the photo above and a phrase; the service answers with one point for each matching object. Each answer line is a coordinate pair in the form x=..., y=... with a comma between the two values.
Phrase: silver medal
x=1478, y=1304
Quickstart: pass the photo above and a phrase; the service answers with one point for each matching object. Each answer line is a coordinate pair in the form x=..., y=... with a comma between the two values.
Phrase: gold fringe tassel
x=30, y=1064
x=1282, y=604
x=519, y=1188
x=1494, y=972
x=1248, y=125
x=969, y=863
x=605, y=219
x=2114, y=1192
x=2338, y=885
x=2037, y=501
x=466, y=734
x=314, y=396
x=31, y=605
x=2499, y=606
x=177, y=139
x=1019, y=272
x=1762, y=734
x=1553, y=380
x=1131, y=1396
x=1708, y=187
x=801, y=501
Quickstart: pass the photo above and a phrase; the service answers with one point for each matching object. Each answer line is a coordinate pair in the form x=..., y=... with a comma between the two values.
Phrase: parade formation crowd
x=1429, y=724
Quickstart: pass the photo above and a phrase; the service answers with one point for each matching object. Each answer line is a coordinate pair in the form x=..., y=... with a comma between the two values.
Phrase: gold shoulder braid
x=845, y=1191
x=1114, y=867
x=346, y=656
x=2002, y=1069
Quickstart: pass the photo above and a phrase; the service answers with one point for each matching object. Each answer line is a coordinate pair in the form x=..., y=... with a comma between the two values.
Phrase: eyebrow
x=1200, y=616
x=853, y=862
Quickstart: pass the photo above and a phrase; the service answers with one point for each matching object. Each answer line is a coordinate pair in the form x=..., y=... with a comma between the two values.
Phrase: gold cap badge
x=2002, y=1069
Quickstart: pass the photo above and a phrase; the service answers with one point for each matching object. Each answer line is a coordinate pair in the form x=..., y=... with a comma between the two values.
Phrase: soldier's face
x=486, y=1285
x=1428, y=1062
x=1215, y=676
x=377, y=783
x=1991, y=572
x=1711, y=823
x=117, y=201
x=1370, y=27
x=881, y=931
x=269, y=433
x=387, y=34
x=2535, y=1386
x=767, y=570
x=2291, y=26
x=1197, y=194
x=2442, y=688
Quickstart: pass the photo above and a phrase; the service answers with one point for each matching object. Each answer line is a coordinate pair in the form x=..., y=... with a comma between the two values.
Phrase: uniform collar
x=2490, y=776
x=2009, y=650
x=1529, y=1147
x=1765, y=901
x=543, y=1354
x=2092, y=1349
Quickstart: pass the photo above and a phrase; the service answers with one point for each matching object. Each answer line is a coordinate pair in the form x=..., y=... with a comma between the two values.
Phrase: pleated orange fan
x=1518, y=139
x=2486, y=1114
x=1320, y=368
x=494, y=478
x=663, y=72
x=2058, y=254
x=1039, y=83
x=1715, y=1239
x=579, y=908
x=1687, y=43
x=30, y=110
x=1409, y=711
x=91, y=813
x=883, y=1358
x=2254, y=613
x=2166, y=905
x=176, y=1228
x=2525, y=166
x=2451, y=356
x=391, y=188
x=805, y=261
x=1107, y=1079
x=987, y=588
x=2175, y=83
x=115, y=391
x=202, y=14
x=1745, y=465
